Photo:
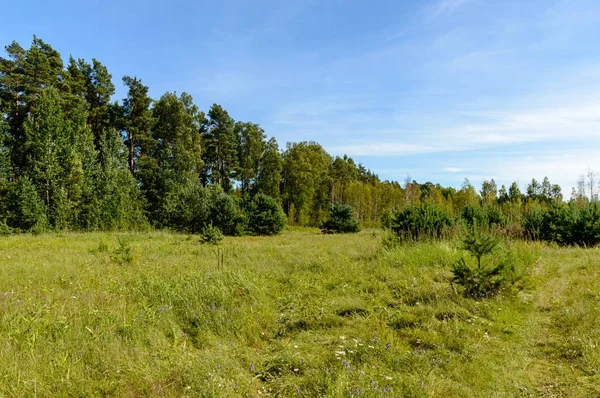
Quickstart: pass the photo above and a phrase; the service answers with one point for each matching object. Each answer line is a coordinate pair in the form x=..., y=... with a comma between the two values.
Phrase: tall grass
x=300, y=314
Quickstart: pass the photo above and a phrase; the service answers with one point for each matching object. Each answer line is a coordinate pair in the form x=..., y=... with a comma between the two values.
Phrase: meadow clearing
x=299, y=314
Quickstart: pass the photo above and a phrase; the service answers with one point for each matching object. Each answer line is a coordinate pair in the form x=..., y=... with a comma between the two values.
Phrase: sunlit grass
x=300, y=314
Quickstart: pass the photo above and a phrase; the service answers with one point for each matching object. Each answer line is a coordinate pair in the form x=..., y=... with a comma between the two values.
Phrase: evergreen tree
x=265, y=216
x=93, y=83
x=23, y=75
x=220, y=149
x=137, y=121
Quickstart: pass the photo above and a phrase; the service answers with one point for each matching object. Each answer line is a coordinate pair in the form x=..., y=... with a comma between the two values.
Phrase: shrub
x=190, y=208
x=565, y=224
x=124, y=254
x=419, y=222
x=211, y=235
x=485, y=216
x=341, y=220
x=483, y=279
x=386, y=219
x=265, y=216
x=390, y=240
x=586, y=228
x=533, y=223
x=5, y=229
x=226, y=214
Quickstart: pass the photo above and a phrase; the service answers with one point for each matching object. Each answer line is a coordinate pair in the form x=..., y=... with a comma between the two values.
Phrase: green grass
x=300, y=314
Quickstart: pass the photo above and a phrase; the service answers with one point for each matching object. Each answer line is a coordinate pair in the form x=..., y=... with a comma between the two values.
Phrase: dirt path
x=561, y=336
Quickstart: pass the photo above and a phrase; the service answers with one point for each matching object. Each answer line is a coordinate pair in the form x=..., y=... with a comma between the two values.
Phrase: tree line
x=71, y=158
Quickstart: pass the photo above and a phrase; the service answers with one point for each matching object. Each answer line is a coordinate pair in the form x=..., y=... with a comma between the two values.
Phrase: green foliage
x=565, y=224
x=220, y=148
x=226, y=214
x=485, y=279
x=386, y=219
x=418, y=222
x=189, y=208
x=572, y=225
x=211, y=235
x=533, y=223
x=5, y=229
x=175, y=156
x=265, y=216
x=341, y=220
x=305, y=182
x=28, y=208
x=484, y=216
x=268, y=175
x=390, y=240
x=125, y=254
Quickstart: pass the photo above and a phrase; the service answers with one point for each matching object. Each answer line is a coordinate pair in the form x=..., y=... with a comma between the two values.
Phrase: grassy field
x=301, y=314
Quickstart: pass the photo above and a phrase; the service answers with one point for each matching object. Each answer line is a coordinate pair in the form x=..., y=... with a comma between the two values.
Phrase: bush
x=190, y=208
x=5, y=229
x=193, y=207
x=386, y=219
x=424, y=221
x=265, y=216
x=533, y=223
x=226, y=214
x=124, y=254
x=483, y=280
x=485, y=216
x=565, y=224
x=586, y=228
x=211, y=235
x=341, y=220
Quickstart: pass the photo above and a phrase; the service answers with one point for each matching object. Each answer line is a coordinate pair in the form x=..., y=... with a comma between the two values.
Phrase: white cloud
x=452, y=169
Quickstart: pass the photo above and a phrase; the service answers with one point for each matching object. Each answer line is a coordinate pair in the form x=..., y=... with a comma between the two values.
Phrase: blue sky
x=439, y=90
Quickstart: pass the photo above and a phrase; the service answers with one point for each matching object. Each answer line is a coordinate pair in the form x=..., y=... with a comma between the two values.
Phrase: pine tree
x=93, y=83
x=137, y=121
x=220, y=149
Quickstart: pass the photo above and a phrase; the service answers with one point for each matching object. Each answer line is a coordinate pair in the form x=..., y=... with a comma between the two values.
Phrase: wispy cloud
x=452, y=169
x=446, y=7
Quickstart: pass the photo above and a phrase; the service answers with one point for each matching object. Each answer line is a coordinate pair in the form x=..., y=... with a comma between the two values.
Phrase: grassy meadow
x=299, y=314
